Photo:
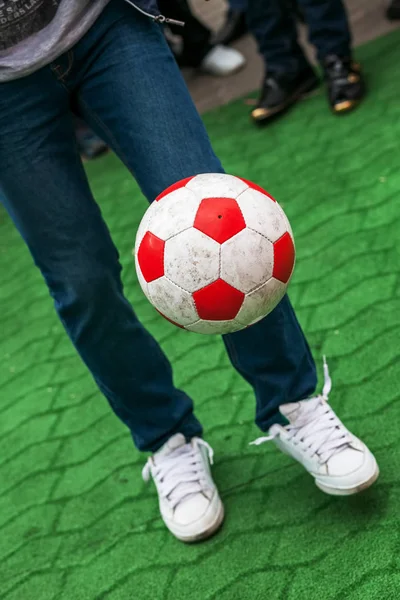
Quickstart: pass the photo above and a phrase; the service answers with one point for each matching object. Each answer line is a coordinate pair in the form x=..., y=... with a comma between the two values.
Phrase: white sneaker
x=221, y=61
x=340, y=463
x=189, y=501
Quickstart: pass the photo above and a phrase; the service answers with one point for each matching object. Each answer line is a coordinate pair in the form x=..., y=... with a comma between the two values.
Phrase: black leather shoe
x=393, y=10
x=280, y=92
x=345, y=83
x=233, y=29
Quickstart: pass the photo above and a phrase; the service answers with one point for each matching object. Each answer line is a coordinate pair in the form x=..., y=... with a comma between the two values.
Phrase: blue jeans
x=274, y=26
x=128, y=88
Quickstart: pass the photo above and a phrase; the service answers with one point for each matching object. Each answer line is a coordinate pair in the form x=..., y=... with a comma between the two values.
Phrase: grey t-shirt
x=33, y=33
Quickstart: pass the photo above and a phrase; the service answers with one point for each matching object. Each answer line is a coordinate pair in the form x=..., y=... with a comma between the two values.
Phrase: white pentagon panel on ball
x=216, y=185
x=261, y=302
x=215, y=327
x=247, y=260
x=191, y=260
x=144, y=225
x=142, y=282
x=174, y=213
x=262, y=214
x=172, y=301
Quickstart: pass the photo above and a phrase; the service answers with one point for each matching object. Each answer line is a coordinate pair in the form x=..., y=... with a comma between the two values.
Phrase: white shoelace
x=180, y=473
x=318, y=431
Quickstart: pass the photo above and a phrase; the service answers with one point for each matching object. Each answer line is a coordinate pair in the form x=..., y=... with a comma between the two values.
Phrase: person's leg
x=128, y=88
x=47, y=195
x=275, y=31
x=288, y=75
x=151, y=122
x=328, y=27
x=329, y=32
x=274, y=357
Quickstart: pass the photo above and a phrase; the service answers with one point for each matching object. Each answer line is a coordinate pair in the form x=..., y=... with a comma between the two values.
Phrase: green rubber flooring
x=76, y=520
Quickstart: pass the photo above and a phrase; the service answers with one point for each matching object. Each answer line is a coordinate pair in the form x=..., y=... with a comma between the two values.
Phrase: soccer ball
x=214, y=253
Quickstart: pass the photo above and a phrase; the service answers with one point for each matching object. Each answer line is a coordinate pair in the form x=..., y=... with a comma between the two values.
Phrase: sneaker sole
x=361, y=487
x=207, y=533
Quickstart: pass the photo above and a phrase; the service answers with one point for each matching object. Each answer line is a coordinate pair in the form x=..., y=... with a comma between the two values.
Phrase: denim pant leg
x=45, y=190
x=274, y=357
x=328, y=26
x=275, y=31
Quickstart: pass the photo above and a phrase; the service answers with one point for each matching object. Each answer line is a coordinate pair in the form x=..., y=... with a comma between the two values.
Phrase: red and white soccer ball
x=214, y=253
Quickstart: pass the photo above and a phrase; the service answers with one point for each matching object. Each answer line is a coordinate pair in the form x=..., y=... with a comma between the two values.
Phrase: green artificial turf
x=76, y=520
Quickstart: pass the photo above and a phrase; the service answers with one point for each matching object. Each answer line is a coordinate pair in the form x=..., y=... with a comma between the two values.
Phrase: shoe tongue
x=294, y=410
x=174, y=442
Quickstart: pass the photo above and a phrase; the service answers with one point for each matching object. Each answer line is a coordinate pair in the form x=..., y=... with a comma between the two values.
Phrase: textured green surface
x=76, y=521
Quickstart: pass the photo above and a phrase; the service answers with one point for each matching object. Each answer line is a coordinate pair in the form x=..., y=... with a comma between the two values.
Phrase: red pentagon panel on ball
x=256, y=187
x=284, y=255
x=219, y=218
x=175, y=186
x=218, y=301
x=151, y=257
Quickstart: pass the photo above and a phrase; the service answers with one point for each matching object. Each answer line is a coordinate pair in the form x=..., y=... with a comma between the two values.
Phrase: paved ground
x=77, y=522
x=367, y=19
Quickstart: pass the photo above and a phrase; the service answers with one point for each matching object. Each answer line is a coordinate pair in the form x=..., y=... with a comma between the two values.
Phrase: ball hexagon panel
x=150, y=257
x=218, y=301
x=261, y=302
x=192, y=260
x=215, y=327
x=219, y=218
x=262, y=214
x=172, y=301
x=284, y=257
x=175, y=214
x=247, y=260
x=216, y=185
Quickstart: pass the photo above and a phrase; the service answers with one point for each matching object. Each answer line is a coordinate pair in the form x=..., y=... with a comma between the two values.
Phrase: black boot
x=280, y=92
x=345, y=83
